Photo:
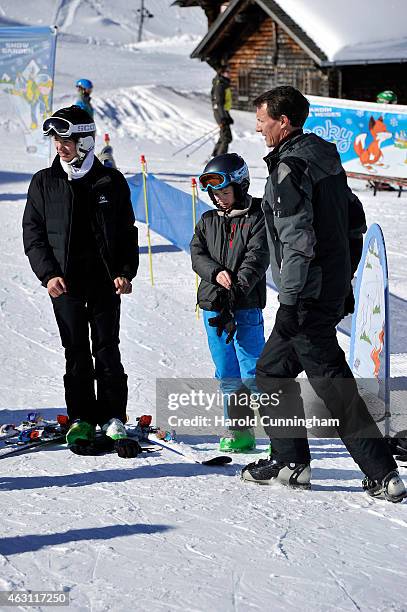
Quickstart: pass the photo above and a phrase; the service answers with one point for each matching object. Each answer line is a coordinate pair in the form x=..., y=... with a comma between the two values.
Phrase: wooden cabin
x=266, y=47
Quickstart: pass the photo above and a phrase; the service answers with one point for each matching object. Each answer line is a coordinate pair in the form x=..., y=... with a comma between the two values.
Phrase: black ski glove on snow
x=286, y=323
x=349, y=306
x=127, y=448
x=224, y=321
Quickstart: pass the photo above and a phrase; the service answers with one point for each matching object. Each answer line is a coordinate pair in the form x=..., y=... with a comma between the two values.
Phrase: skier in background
x=221, y=96
x=386, y=97
x=80, y=238
x=106, y=154
x=84, y=88
x=229, y=252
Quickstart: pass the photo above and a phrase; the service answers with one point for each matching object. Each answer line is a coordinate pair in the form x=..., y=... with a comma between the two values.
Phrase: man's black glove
x=127, y=448
x=349, y=306
x=224, y=321
x=286, y=323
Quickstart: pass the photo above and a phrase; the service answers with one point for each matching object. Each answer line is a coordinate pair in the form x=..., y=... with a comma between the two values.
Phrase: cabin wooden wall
x=270, y=57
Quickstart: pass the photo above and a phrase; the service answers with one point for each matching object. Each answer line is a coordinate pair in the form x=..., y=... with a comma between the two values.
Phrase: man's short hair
x=285, y=100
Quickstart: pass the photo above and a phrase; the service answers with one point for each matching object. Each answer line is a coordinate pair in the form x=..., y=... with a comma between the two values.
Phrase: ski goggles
x=64, y=128
x=216, y=180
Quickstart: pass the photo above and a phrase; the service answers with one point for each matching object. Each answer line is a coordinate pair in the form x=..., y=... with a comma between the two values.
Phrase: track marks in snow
x=65, y=13
x=344, y=589
x=145, y=113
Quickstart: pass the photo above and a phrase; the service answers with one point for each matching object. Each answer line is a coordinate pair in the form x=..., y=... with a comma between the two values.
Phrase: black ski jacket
x=315, y=224
x=221, y=99
x=47, y=221
x=235, y=242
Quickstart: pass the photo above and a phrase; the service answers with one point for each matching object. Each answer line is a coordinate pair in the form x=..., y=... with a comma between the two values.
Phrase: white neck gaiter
x=77, y=172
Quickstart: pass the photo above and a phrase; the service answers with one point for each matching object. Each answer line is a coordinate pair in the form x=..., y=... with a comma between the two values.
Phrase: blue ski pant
x=235, y=363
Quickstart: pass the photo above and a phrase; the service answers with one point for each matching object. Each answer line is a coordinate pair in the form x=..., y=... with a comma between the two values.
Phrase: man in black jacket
x=221, y=97
x=80, y=238
x=229, y=252
x=314, y=225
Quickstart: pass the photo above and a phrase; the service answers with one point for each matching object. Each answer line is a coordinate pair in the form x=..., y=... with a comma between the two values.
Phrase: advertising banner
x=27, y=62
x=371, y=138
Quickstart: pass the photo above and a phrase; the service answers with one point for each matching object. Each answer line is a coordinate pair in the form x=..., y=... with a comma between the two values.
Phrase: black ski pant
x=76, y=313
x=225, y=137
x=315, y=349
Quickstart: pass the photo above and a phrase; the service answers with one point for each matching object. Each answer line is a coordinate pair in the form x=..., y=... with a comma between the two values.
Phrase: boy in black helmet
x=80, y=238
x=229, y=252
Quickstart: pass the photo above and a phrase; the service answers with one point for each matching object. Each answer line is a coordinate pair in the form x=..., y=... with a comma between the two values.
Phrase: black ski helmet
x=232, y=169
x=77, y=125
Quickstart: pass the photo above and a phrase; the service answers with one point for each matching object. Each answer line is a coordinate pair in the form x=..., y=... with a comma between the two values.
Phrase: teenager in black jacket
x=80, y=238
x=229, y=252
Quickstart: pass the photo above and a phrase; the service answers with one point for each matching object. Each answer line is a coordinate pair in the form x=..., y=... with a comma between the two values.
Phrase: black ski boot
x=269, y=471
x=390, y=488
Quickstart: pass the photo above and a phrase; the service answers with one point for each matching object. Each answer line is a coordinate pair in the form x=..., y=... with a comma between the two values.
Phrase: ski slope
x=158, y=533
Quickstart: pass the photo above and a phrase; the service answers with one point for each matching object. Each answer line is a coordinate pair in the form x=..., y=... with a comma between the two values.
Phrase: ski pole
x=144, y=173
x=194, y=198
x=201, y=144
x=194, y=141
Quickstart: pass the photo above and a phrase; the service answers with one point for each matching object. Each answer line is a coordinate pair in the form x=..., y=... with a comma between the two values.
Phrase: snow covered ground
x=158, y=533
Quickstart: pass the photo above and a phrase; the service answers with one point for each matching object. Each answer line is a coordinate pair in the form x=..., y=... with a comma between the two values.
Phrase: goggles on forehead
x=64, y=128
x=216, y=180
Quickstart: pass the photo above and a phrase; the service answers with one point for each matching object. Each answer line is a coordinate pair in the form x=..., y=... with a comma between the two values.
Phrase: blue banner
x=169, y=209
x=27, y=63
x=371, y=138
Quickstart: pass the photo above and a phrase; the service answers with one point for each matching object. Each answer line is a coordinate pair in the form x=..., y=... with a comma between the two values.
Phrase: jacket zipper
x=104, y=243
x=70, y=229
x=226, y=223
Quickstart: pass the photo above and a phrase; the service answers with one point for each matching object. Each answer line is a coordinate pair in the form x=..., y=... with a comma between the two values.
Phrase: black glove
x=349, y=306
x=233, y=296
x=286, y=323
x=226, y=121
x=127, y=448
x=224, y=321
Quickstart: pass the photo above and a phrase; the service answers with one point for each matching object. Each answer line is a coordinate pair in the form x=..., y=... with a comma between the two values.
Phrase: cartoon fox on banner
x=371, y=138
x=370, y=154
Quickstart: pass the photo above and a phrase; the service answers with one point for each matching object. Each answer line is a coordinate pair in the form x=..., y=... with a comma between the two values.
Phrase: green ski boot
x=238, y=441
x=80, y=432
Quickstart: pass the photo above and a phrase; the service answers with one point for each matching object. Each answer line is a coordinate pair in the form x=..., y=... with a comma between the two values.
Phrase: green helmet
x=386, y=97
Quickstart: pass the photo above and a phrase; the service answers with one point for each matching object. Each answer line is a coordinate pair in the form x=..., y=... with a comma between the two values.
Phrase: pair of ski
x=31, y=433
x=10, y=445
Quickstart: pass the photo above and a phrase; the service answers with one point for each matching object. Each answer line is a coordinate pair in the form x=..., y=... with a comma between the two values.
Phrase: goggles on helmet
x=216, y=180
x=64, y=128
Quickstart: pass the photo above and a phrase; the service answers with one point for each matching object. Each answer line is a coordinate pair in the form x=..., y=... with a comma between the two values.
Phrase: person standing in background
x=221, y=96
x=84, y=87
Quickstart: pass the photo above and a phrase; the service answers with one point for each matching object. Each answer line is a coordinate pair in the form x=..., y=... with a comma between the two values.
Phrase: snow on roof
x=349, y=31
